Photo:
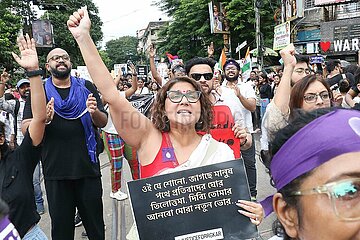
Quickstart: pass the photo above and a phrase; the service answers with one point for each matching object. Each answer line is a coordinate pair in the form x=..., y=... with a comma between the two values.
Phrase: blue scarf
x=74, y=107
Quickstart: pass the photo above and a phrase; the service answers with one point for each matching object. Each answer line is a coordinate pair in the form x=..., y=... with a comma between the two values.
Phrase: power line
x=125, y=15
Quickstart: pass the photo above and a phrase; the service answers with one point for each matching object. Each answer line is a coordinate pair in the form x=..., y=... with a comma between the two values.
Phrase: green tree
x=105, y=57
x=241, y=15
x=168, y=6
x=10, y=25
x=122, y=49
x=62, y=36
x=189, y=33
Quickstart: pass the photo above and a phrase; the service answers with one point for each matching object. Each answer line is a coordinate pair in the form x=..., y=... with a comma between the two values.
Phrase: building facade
x=324, y=29
x=150, y=35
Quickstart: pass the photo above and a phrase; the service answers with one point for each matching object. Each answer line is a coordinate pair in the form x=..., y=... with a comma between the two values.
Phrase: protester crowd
x=306, y=116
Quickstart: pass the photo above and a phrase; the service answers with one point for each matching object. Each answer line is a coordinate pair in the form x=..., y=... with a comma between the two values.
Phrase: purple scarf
x=326, y=137
x=74, y=107
x=7, y=230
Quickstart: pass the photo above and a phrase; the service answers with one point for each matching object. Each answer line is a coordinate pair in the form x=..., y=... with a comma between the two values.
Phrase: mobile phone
x=129, y=63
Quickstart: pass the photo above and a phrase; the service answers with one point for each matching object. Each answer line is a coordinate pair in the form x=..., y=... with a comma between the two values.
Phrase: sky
x=125, y=17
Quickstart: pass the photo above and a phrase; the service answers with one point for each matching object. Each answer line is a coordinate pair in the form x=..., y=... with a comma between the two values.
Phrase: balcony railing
x=348, y=10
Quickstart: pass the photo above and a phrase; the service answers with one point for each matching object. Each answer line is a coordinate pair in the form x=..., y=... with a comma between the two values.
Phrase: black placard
x=142, y=71
x=142, y=102
x=198, y=203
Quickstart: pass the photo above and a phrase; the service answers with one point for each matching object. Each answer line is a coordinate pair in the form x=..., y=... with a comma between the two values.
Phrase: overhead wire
x=125, y=15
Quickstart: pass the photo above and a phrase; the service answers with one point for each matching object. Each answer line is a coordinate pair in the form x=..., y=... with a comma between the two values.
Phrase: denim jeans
x=263, y=103
x=35, y=234
x=37, y=186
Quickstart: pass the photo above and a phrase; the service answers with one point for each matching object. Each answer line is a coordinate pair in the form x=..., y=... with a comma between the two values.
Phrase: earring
x=199, y=125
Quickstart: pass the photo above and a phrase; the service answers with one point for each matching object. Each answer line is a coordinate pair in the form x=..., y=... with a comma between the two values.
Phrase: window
x=309, y=4
x=348, y=10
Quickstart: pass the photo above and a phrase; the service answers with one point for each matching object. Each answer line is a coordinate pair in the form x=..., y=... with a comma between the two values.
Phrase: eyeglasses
x=302, y=70
x=177, y=96
x=344, y=196
x=56, y=58
x=197, y=76
x=312, y=97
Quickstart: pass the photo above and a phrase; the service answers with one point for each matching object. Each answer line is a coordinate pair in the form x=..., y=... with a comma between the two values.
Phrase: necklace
x=66, y=84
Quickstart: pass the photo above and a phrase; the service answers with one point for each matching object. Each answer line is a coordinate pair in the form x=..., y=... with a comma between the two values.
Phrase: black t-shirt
x=265, y=91
x=64, y=154
x=17, y=189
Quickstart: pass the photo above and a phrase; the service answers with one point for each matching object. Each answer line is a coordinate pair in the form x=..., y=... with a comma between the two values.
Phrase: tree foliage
x=168, y=6
x=122, y=49
x=105, y=57
x=62, y=36
x=241, y=15
x=10, y=25
x=17, y=15
x=189, y=33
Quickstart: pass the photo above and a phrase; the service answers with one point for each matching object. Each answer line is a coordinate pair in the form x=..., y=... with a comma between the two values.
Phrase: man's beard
x=232, y=79
x=60, y=74
x=207, y=88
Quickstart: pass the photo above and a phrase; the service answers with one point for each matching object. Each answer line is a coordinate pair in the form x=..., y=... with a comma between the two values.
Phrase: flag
x=171, y=57
x=246, y=67
x=247, y=63
x=222, y=59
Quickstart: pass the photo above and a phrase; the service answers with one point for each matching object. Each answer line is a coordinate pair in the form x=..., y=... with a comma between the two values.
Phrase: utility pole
x=258, y=4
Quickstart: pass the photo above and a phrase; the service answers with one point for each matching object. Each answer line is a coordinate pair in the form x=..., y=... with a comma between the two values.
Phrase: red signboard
x=223, y=123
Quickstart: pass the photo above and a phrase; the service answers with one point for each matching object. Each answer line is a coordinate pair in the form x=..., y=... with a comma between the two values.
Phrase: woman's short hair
x=299, y=89
x=264, y=76
x=158, y=114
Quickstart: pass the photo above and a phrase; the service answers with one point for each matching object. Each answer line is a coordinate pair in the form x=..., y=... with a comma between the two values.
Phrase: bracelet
x=242, y=144
x=34, y=73
x=2, y=83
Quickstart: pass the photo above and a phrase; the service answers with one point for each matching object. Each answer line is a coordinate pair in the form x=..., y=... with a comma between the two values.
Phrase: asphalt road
x=124, y=211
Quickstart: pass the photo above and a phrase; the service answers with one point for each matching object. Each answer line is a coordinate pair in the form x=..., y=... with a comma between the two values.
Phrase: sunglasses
x=197, y=76
x=64, y=57
x=177, y=96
